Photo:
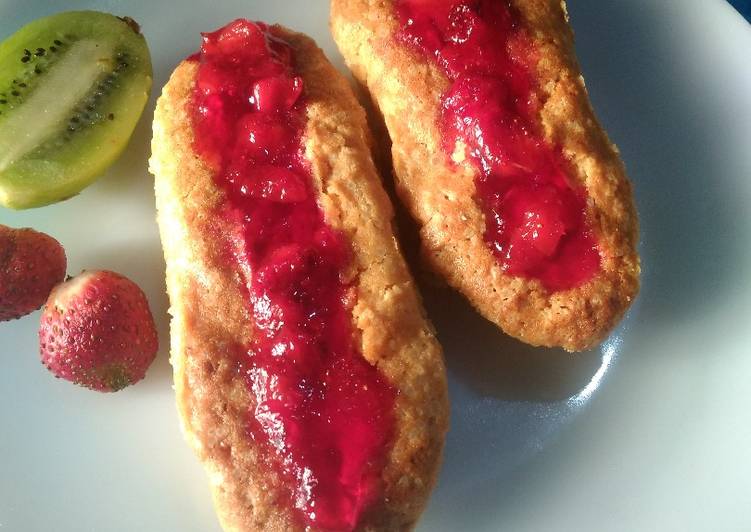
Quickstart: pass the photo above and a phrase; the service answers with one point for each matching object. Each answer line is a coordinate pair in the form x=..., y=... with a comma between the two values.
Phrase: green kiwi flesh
x=72, y=88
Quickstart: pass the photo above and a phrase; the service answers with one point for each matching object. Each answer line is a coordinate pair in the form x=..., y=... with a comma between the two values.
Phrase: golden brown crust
x=209, y=317
x=407, y=89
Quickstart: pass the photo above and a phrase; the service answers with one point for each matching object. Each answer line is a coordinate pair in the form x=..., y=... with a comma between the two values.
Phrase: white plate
x=649, y=433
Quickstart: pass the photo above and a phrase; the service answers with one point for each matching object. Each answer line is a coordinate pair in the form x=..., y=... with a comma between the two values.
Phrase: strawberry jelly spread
x=325, y=413
x=535, y=218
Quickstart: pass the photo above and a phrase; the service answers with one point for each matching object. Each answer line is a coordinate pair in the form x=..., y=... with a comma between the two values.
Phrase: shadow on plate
x=496, y=365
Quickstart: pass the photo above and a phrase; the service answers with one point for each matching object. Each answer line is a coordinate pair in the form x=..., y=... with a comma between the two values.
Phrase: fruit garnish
x=31, y=264
x=72, y=88
x=97, y=331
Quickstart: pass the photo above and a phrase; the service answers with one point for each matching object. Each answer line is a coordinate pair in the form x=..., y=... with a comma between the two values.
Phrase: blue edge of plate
x=743, y=7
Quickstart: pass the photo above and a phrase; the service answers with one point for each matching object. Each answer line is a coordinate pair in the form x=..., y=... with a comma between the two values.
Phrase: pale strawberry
x=31, y=264
x=97, y=331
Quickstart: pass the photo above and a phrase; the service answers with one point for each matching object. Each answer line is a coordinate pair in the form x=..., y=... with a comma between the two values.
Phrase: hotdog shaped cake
x=308, y=379
x=522, y=201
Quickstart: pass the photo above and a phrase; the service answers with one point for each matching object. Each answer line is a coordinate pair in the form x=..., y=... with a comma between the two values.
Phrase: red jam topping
x=535, y=218
x=325, y=413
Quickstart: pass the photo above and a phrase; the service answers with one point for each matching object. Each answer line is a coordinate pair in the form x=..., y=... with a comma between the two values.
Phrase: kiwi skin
x=93, y=129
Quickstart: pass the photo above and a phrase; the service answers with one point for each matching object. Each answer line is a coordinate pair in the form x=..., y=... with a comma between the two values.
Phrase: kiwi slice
x=72, y=88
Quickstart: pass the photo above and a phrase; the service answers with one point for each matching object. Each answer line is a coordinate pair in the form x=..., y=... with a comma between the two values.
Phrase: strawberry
x=97, y=331
x=31, y=264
